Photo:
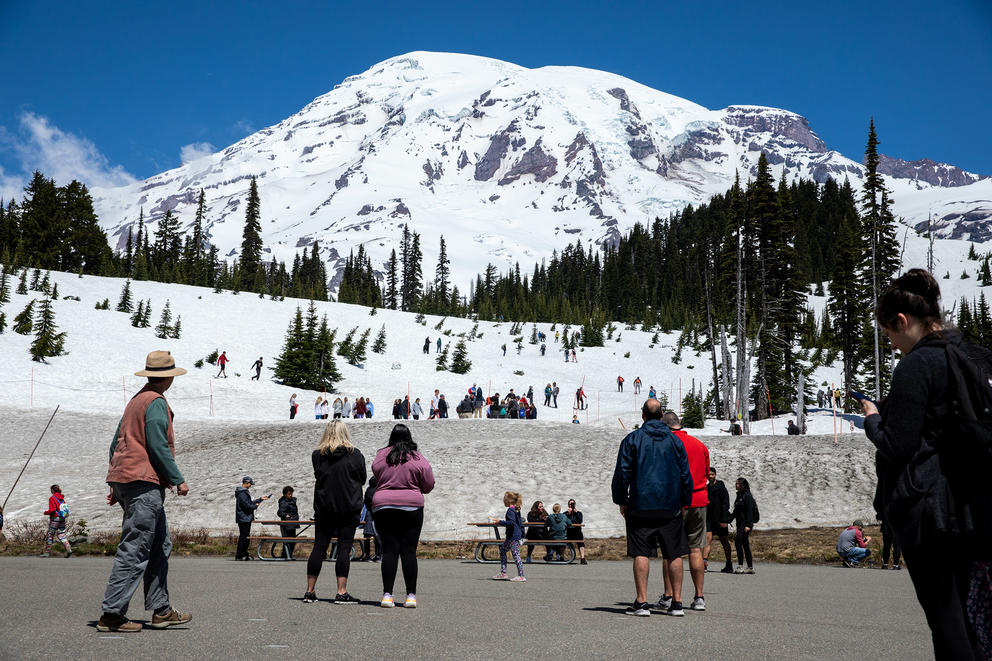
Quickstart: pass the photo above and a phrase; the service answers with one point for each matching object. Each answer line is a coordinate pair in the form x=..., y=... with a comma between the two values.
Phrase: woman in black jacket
x=339, y=471
x=907, y=433
x=574, y=531
x=743, y=516
x=288, y=511
x=539, y=515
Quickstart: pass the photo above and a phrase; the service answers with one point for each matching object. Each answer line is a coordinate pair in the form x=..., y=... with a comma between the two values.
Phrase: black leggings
x=325, y=527
x=244, y=529
x=742, y=541
x=399, y=531
x=890, y=544
x=941, y=581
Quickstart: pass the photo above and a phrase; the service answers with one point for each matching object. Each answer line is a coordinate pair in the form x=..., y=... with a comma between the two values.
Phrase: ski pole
x=29, y=457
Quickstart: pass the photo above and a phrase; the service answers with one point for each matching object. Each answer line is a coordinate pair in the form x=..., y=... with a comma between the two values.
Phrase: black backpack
x=754, y=510
x=941, y=491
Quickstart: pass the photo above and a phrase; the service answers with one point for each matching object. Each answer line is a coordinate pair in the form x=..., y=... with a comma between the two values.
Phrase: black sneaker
x=345, y=599
x=309, y=597
x=675, y=609
x=728, y=569
x=640, y=609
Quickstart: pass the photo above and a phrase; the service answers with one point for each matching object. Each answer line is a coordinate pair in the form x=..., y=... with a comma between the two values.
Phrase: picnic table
x=566, y=546
x=272, y=540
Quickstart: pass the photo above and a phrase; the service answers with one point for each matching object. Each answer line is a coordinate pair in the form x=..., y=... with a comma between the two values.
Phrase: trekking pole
x=29, y=457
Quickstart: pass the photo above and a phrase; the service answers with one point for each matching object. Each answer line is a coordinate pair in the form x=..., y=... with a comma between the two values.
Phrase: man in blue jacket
x=651, y=484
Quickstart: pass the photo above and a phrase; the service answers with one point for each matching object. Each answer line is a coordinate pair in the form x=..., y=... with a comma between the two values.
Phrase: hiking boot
x=639, y=609
x=309, y=597
x=698, y=604
x=116, y=624
x=674, y=609
x=174, y=618
x=728, y=569
x=345, y=599
x=664, y=602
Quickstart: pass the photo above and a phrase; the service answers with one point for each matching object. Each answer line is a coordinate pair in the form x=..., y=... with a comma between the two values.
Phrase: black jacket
x=743, y=514
x=288, y=511
x=244, y=505
x=719, y=502
x=575, y=520
x=536, y=532
x=339, y=477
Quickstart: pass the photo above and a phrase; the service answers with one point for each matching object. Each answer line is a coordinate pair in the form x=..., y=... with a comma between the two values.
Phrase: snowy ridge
x=508, y=163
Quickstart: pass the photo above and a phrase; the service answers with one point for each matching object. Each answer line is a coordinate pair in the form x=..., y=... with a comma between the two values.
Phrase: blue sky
x=112, y=91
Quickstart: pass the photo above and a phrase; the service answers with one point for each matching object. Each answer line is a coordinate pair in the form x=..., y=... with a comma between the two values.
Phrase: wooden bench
x=565, y=546
x=272, y=540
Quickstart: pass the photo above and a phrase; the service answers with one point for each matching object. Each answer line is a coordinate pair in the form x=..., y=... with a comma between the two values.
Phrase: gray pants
x=144, y=549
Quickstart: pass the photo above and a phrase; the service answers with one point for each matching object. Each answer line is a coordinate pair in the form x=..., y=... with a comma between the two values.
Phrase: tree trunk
x=709, y=326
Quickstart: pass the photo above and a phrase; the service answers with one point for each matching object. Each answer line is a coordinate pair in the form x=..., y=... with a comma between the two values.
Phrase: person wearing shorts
x=695, y=514
x=651, y=484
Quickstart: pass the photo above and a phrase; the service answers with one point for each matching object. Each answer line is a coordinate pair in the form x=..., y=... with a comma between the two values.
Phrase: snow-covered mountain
x=507, y=163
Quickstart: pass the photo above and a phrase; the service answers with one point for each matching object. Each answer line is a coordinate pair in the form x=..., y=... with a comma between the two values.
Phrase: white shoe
x=387, y=601
x=698, y=604
x=411, y=601
x=739, y=570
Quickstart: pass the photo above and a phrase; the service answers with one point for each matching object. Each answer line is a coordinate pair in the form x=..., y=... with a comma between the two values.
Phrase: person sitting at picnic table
x=558, y=529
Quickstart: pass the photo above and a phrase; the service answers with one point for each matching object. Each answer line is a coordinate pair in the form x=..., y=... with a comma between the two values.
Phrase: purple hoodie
x=403, y=485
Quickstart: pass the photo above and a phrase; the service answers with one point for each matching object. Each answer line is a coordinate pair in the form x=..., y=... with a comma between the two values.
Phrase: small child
x=557, y=529
x=57, y=512
x=514, y=533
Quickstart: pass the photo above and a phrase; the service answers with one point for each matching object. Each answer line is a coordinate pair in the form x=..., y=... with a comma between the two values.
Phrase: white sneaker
x=387, y=601
x=664, y=603
x=749, y=570
x=739, y=570
x=411, y=601
x=518, y=578
x=698, y=604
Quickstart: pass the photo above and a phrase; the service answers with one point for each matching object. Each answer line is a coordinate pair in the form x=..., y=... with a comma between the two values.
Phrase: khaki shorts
x=695, y=526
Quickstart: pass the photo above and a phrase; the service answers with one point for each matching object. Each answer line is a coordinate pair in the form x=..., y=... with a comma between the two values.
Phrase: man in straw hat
x=142, y=465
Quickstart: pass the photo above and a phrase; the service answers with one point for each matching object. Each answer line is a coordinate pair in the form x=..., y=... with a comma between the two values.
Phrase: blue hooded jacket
x=652, y=472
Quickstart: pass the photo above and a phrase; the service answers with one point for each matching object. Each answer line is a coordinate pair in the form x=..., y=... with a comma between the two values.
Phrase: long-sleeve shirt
x=156, y=442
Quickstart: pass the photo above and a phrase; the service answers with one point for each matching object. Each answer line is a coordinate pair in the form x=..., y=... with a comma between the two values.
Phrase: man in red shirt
x=222, y=361
x=695, y=514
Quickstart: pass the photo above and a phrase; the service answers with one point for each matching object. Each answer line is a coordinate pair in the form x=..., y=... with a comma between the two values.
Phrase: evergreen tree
x=442, y=273
x=22, y=285
x=346, y=345
x=379, y=346
x=36, y=280
x=48, y=341
x=324, y=367
x=125, y=304
x=5, y=287
x=592, y=330
x=251, y=242
x=460, y=364
x=24, y=322
x=55, y=291
x=84, y=247
x=3, y=322
x=357, y=355
x=692, y=411
x=177, y=328
x=43, y=227
x=442, y=359
x=139, y=315
x=392, y=282
x=166, y=250
x=146, y=316
x=164, y=328
x=847, y=303
x=46, y=283
x=293, y=364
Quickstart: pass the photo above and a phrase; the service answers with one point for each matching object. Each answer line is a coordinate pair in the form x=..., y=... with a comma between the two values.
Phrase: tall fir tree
x=22, y=284
x=391, y=298
x=357, y=356
x=164, y=328
x=460, y=364
x=24, y=322
x=847, y=303
x=379, y=346
x=139, y=315
x=442, y=274
x=125, y=303
x=251, y=242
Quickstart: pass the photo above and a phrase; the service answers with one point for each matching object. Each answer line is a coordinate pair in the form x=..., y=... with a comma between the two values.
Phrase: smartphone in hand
x=860, y=396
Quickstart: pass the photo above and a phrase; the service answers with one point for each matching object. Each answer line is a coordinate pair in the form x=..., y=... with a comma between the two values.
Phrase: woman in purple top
x=403, y=477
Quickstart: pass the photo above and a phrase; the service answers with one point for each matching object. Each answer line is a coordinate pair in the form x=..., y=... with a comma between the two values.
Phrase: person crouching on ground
x=651, y=484
x=514, y=533
x=244, y=514
x=142, y=465
x=339, y=473
x=56, y=513
x=852, y=545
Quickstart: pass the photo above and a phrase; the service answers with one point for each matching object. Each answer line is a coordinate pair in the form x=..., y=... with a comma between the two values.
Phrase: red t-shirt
x=699, y=467
x=222, y=360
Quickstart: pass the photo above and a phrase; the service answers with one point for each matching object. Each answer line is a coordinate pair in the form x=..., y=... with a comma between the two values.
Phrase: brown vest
x=130, y=462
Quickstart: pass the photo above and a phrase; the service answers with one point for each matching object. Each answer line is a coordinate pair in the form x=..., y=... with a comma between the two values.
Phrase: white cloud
x=244, y=126
x=195, y=150
x=40, y=145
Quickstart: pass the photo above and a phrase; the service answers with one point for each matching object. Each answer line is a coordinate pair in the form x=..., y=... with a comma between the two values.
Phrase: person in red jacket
x=56, y=514
x=222, y=361
x=695, y=514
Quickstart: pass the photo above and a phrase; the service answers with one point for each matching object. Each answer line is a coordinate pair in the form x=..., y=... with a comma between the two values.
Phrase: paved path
x=254, y=610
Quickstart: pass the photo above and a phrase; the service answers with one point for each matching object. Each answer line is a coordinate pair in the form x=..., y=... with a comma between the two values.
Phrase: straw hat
x=160, y=363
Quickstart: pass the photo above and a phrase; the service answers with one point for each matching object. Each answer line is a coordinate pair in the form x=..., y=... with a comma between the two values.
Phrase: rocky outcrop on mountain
x=924, y=169
x=776, y=122
x=535, y=161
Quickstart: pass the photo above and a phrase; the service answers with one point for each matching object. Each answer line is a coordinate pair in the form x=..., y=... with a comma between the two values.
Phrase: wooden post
x=771, y=415
x=32, y=386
